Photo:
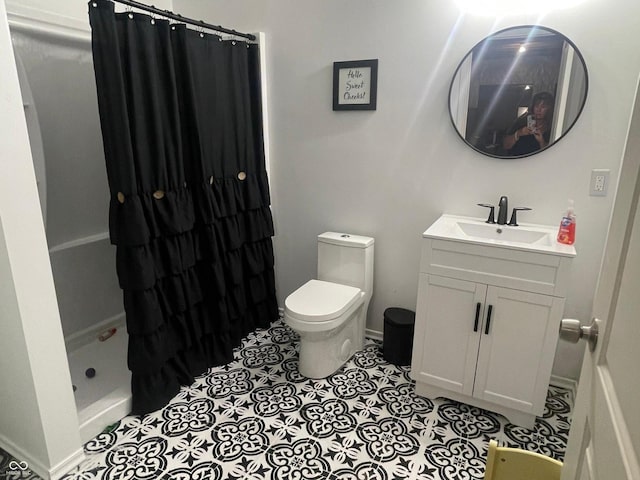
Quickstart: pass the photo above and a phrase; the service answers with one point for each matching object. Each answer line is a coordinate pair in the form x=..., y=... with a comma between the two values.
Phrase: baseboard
x=373, y=334
x=24, y=458
x=82, y=337
x=64, y=467
x=563, y=382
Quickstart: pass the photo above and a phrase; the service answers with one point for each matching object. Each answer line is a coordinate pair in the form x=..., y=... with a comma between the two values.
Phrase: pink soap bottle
x=567, y=230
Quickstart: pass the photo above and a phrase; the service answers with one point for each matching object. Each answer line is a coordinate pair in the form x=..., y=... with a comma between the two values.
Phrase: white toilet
x=330, y=313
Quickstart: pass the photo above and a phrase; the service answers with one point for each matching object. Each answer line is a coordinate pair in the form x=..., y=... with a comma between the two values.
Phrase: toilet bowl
x=328, y=318
x=329, y=313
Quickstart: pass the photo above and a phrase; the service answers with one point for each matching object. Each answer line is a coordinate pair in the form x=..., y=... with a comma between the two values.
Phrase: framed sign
x=355, y=85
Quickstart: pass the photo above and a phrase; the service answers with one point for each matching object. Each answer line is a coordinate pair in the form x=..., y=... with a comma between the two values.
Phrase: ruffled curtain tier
x=190, y=206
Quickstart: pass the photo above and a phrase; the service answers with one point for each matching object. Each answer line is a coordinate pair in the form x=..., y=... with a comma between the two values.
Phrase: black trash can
x=398, y=335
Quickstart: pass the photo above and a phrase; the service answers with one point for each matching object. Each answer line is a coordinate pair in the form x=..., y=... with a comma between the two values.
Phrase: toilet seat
x=319, y=302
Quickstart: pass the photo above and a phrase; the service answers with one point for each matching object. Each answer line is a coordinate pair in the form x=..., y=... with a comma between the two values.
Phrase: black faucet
x=514, y=221
x=491, y=218
x=503, y=208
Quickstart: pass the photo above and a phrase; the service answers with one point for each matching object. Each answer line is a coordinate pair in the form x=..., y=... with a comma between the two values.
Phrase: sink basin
x=529, y=237
x=502, y=233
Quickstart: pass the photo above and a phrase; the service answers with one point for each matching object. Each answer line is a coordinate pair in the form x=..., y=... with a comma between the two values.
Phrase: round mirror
x=518, y=91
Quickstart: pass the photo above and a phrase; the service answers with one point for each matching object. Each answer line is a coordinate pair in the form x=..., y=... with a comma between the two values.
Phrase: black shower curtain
x=189, y=212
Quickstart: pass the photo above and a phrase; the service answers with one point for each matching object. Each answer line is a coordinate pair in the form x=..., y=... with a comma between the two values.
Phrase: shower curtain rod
x=180, y=18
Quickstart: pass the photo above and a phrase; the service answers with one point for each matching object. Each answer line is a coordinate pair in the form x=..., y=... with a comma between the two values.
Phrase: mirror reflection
x=518, y=91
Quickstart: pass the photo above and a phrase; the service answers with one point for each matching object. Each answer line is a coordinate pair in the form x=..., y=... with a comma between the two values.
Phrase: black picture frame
x=355, y=85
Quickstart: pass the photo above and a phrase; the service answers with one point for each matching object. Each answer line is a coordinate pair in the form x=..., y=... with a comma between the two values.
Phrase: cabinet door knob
x=475, y=324
x=486, y=327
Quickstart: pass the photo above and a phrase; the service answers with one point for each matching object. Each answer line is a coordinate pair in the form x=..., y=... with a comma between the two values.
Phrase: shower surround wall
x=38, y=421
x=60, y=73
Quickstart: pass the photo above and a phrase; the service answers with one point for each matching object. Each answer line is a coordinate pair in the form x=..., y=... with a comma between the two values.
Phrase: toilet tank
x=346, y=259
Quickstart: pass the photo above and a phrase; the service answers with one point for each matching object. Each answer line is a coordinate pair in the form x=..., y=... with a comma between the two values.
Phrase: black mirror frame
x=586, y=91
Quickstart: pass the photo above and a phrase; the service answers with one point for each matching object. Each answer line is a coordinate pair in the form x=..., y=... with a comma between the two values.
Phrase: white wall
x=391, y=172
x=38, y=421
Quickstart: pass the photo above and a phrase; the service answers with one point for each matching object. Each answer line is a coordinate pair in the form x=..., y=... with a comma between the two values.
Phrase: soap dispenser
x=567, y=230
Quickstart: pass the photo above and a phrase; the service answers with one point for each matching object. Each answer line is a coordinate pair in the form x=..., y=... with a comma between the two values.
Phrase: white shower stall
x=55, y=70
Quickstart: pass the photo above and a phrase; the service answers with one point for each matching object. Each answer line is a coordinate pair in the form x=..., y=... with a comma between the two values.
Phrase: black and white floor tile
x=257, y=418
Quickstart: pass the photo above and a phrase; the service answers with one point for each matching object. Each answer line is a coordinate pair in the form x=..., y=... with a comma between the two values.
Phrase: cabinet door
x=445, y=346
x=517, y=348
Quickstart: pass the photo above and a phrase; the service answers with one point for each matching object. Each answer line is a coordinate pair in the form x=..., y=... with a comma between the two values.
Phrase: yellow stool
x=515, y=464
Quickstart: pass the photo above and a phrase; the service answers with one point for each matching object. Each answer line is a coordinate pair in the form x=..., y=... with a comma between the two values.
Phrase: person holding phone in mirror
x=531, y=131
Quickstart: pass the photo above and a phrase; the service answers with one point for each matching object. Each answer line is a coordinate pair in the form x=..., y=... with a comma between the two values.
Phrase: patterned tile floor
x=257, y=418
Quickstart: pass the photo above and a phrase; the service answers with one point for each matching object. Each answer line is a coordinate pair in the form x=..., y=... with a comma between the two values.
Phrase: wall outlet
x=599, y=182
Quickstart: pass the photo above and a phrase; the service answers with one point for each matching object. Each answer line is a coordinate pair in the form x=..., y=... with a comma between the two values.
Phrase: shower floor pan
x=105, y=398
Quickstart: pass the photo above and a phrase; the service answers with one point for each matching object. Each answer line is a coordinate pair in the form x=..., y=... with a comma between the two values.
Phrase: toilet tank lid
x=345, y=239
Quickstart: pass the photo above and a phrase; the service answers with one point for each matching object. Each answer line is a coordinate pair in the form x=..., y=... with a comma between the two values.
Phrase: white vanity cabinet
x=487, y=322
